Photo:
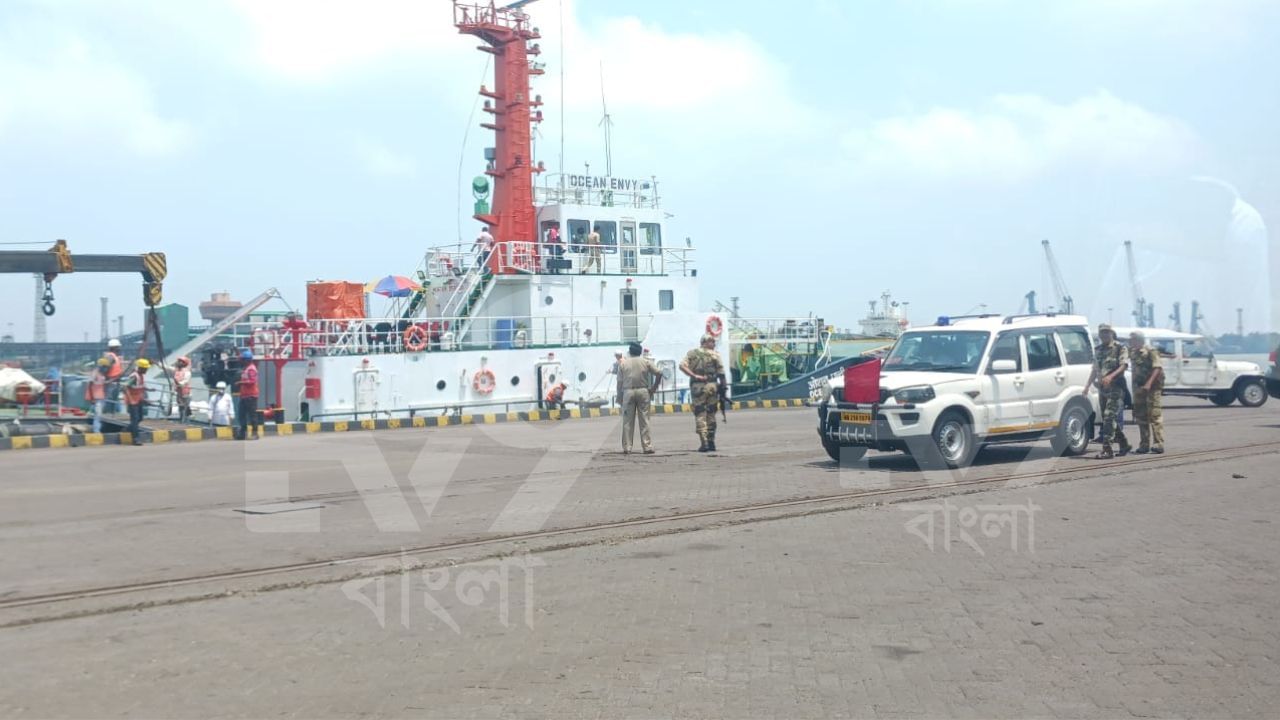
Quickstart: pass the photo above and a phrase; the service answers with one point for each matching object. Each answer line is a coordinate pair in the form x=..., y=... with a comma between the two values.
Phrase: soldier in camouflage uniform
x=702, y=365
x=1109, y=363
x=1148, y=383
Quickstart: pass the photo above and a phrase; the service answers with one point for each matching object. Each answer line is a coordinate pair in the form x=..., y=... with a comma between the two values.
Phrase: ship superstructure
x=491, y=328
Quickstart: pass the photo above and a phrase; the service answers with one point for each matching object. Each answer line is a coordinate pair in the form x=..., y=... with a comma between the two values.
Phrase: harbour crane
x=1066, y=305
x=58, y=260
x=1143, y=312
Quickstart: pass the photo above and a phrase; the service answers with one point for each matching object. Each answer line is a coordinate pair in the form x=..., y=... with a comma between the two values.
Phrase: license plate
x=856, y=418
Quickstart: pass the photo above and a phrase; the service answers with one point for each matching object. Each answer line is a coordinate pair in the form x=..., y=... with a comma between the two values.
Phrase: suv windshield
x=958, y=351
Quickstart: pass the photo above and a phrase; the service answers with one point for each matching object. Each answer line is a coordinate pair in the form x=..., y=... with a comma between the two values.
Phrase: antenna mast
x=607, y=123
x=560, y=169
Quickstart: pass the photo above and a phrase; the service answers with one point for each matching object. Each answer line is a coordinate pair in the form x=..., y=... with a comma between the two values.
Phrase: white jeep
x=947, y=389
x=1190, y=369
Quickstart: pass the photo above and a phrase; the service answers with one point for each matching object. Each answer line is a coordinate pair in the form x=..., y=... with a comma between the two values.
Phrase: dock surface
x=532, y=569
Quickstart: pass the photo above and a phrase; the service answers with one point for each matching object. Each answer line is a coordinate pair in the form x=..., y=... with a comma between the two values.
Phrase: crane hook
x=48, y=307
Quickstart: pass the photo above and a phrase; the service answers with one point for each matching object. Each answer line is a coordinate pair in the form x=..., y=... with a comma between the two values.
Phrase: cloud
x=1192, y=23
x=59, y=89
x=318, y=41
x=1017, y=137
x=379, y=160
x=648, y=71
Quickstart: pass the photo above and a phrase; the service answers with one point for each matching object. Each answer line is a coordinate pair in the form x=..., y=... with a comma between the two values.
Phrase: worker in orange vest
x=135, y=397
x=95, y=391
x=555, y=396
x=247, y=387
x=116, y=368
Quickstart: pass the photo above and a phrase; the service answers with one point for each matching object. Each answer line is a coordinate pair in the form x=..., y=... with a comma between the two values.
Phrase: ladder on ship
x=473, y=286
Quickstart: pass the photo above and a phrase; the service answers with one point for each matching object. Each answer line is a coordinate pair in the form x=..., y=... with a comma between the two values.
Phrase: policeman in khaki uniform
x=1109, y=363
x=702, y=365
x=1148, y=383
x=638, y=380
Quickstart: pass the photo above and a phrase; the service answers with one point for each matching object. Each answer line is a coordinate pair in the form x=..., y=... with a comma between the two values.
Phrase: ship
x=481, y=327
x=885, y=319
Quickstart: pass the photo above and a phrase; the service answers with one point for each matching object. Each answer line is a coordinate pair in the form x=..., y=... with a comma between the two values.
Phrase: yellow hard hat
x=143, y=363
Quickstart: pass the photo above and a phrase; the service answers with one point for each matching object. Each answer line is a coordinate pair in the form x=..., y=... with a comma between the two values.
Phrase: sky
x=816, y=152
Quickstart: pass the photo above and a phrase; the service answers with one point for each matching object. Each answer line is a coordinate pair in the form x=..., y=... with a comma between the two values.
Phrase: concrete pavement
x=1149, y=592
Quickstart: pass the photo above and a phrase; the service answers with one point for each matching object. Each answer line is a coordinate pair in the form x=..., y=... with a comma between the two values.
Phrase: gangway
x=222, y=326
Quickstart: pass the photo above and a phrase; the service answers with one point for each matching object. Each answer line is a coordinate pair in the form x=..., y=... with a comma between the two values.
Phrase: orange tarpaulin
x=335, y=300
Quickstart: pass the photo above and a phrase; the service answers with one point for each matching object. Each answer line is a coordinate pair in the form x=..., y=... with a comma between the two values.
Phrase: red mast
x=506, y=32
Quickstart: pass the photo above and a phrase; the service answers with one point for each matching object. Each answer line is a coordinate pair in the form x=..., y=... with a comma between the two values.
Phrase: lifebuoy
x=714, y=326
x=415, y=338
x=484, y=381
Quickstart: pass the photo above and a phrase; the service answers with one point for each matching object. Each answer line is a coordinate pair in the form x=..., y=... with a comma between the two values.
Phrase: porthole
x=582, y=377
x=515, y=380
x=548, y=300
x=440, y=385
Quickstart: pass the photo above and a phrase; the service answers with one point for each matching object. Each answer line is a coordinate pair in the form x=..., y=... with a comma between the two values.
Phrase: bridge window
x=666, y=300
x=608, y=235
x=577, y=239
x=650, y=238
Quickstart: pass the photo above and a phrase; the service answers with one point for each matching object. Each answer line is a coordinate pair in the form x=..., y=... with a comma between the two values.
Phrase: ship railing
x=645, y=197
x=389, y=335
x=455, y=266
x=775, y=331
x=489, y=14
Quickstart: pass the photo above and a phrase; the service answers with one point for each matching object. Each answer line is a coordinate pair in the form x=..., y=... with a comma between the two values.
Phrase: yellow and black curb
x=308, y=428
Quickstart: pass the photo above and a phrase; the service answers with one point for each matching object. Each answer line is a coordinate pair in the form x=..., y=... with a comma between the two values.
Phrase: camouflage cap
x=708, y=338
x=1137, y=335
x=1104, y=327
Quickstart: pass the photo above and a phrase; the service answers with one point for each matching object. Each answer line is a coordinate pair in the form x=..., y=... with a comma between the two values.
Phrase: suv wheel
x=843, y=454
x=1251, y=393
x=951, y=443
x=1222, y=398
x=1072, y=436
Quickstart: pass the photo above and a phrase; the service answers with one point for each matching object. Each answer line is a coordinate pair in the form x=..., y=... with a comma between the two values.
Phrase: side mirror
x=1003, y=366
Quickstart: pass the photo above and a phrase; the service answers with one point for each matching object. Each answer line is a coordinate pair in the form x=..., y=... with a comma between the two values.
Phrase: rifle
x=722, y=389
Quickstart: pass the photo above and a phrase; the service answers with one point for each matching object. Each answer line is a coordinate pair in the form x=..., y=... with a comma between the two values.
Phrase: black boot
x=711, y=446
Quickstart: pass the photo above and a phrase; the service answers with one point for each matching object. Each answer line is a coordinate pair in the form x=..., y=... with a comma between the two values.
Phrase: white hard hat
x=222, y=385
x=113, y=342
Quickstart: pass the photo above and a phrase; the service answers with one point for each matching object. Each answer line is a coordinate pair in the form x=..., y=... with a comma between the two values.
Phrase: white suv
x=1190, y=369
x=946, y=390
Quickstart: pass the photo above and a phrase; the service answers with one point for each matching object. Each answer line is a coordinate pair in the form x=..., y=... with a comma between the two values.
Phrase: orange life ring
x=484, y=381
x=415, y=338
x=714, y=326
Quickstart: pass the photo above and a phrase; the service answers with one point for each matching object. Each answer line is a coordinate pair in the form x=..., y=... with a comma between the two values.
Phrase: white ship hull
x=520, y=341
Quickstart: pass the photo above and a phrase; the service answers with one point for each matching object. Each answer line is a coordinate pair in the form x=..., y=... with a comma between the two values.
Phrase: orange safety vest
x=117, y=367
x=555, y=394
x=135, y=394
x=96, y=388
x=182, y=378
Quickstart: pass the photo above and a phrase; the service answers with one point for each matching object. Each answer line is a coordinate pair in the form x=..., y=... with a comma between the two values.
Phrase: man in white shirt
x=484, y=246
x=222, y=411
